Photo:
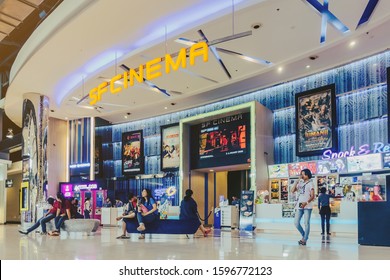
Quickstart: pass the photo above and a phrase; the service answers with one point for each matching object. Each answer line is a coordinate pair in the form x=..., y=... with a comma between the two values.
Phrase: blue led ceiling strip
x=324, y=22
x=367, y=12
x=327, y=16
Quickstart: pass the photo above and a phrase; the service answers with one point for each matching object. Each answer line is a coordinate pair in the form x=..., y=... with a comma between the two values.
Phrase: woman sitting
x=128, y=214
x=147, y=211
x=189, y=211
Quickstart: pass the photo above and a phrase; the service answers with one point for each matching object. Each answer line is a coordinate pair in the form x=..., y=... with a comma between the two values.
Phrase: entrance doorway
x=210, y=187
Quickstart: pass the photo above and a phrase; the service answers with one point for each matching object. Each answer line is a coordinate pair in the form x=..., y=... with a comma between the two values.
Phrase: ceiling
x=83, y=43
x=18, y=19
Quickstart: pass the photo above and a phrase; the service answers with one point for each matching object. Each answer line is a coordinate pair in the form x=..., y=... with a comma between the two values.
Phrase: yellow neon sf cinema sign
x=149, y=71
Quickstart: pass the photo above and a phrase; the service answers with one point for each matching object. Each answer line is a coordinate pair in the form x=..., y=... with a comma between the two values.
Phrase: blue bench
x=165, y=226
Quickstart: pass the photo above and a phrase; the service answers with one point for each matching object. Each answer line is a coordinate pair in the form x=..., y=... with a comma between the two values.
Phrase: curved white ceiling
x=84, y=42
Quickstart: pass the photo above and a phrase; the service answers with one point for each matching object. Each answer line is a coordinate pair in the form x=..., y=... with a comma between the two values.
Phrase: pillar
x=34, y=145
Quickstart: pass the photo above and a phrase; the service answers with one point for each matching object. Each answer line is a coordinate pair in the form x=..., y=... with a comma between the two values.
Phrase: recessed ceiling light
x=352, y=44
x=66, y=118
x=307, y=66
x=10, y=133
x=280, y=69
x=165, y=108
x=126, y=117
x=211, y=170
x=256, y=25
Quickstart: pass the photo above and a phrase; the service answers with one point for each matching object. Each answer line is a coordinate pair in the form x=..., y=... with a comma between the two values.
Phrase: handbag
x=144, y=209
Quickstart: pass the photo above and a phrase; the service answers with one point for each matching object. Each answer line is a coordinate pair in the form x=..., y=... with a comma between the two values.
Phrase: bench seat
x=165, y=226
x=76, y=225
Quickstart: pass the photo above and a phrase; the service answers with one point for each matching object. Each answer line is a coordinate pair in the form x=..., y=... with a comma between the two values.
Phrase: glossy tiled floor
x=221, y=245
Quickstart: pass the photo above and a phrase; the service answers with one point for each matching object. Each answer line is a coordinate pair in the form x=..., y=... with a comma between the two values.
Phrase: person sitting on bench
x=189, y=211
x=147, y=211
x=127, y=215
x=51, y=214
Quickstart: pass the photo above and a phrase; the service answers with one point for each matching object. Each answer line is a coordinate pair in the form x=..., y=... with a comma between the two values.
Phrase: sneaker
x=142, y=236
x=22, y=231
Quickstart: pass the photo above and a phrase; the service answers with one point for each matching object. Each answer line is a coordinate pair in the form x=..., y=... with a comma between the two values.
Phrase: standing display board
x=246, y=210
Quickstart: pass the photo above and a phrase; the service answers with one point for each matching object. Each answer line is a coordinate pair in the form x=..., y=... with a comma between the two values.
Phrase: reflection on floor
x=103, y=245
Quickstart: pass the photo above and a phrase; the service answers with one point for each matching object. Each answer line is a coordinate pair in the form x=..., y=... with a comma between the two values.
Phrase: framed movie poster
x=315, y=116
x=170, y=147
x=388, y=104
x=132, y=153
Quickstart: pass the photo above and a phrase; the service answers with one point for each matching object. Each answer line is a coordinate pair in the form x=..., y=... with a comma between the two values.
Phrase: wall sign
x=377, y=147
x=150, y=70
x=79, y=165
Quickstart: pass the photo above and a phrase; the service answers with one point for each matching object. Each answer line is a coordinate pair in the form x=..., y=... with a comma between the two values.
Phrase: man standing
x=304, y=203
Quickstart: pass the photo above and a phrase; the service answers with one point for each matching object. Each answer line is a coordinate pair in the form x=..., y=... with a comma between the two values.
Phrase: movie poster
x=388, y=104
x=315, y=121
x=170, y=147
x=98, y=156
x=132, y=153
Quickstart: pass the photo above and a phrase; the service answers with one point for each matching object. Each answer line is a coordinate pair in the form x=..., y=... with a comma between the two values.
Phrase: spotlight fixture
x=10, y=133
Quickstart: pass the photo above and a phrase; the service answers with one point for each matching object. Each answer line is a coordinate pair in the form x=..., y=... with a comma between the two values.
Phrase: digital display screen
x=294, y=169
x=278, y=171
x=170, y=148
x=386, y=160
x=221, y=142
x=132, y=153
x=336, y=165
x=364, y=163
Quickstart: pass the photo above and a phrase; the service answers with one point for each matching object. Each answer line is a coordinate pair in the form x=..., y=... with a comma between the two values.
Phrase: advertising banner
x=246, y=210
